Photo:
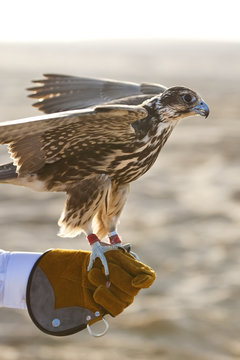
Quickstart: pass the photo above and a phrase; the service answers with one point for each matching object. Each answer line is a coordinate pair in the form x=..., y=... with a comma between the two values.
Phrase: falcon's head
x=180, y=102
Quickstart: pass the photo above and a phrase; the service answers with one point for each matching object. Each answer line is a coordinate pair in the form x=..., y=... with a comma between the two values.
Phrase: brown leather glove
x=63, y=275
x=127, y=277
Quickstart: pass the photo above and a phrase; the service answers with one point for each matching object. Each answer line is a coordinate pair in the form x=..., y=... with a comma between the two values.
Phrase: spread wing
x=36, y=141
x=58, y=93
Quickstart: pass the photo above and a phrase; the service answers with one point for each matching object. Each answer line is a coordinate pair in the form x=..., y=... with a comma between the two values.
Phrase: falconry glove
x=64, y=298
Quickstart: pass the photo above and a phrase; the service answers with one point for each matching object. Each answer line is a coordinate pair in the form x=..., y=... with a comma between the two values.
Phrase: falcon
x=96, y=138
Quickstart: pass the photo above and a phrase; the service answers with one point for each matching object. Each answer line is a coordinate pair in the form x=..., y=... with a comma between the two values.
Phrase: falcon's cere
x=98, y=137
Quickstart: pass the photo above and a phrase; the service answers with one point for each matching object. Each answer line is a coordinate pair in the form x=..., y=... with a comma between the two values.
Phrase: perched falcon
x=98, y=137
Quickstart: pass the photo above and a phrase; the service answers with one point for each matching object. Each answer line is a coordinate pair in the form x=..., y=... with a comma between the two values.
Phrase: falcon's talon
x=134, y=255
x=98, y=252
x=119, y=246
x=127, y=249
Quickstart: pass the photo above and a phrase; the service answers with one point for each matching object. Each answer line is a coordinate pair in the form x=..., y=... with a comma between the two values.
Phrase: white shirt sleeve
x=15, y=268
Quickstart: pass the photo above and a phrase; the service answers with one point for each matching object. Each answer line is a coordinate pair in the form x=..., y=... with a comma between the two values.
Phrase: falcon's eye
x=187, y=98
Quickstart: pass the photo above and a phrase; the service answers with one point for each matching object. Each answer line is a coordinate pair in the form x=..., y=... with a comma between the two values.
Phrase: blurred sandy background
x=182, y=218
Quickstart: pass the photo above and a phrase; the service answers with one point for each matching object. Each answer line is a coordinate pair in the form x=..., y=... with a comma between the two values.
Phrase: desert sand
x=182, y=217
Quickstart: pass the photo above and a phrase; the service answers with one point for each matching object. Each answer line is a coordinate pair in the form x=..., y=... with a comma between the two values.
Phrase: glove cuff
x=42, y=298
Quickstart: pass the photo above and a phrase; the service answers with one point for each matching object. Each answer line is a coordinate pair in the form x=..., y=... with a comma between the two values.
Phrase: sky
x=77, y=20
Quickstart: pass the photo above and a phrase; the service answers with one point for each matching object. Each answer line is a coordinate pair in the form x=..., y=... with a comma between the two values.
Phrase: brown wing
x=110, y=118
x=39, y=140
x=58, y=93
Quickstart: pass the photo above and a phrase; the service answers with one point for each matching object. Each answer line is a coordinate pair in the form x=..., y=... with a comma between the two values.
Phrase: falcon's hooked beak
x=201, y=108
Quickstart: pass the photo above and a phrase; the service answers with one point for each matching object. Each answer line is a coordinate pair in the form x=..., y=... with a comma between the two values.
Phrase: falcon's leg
x=98, y=250
x=107, y=217
x=83, y=202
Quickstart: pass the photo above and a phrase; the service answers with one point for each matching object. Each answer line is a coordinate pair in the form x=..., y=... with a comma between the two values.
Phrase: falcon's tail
x=8, y=172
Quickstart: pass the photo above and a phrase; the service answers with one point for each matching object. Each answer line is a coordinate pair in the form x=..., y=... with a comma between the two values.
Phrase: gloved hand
x=127, y=277
x=63, y=297
x=74, y=286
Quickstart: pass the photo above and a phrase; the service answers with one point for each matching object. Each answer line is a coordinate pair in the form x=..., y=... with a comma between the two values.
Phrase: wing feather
x=27, y=154
x=34, y=142
x=62, y=92
x=109, y=118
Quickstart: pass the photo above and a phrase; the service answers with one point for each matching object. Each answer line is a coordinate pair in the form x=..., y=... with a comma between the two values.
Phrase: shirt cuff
x=18, y=269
